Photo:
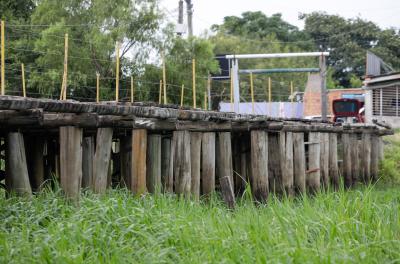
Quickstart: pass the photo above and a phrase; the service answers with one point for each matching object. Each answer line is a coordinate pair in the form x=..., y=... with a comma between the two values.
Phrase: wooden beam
x=195, y=155
x=333, y=161
x=224, y=164
x=299, y=163
x=167, y=165
x=88, y=146
x=208, y=163
x=274, y=164
x=313, y=174
x=182, y=163
x=102, y=159
x=71, y=161
x=153, y=179
x=126, y=160
x=355, y=160
x=139, y=168
x=367, y=157
x=324, y=159
x=259, y=165
x=227, y=192
x=374, y=158
x=347, y=172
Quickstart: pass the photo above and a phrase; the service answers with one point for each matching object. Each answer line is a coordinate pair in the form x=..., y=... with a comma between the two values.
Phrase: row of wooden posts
x=191, y=164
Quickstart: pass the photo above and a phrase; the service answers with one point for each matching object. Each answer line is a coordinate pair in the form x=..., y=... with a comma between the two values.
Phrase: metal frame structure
x=234, y=62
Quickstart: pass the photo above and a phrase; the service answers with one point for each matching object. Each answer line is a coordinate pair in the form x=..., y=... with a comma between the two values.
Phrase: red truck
x=347, y=110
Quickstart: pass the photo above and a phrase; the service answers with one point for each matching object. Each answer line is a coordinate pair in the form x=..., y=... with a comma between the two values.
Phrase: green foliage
x=390, y=166
x=345, y=227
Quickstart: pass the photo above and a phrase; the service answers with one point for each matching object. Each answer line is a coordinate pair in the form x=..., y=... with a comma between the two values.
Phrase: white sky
x=386, y=13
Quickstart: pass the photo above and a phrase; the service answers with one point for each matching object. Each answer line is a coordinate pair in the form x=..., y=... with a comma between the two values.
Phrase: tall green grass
x=343, y=227
x=390, y=166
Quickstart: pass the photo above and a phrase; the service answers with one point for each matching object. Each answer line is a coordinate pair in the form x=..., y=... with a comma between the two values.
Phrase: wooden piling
x=286, y=162
x=87, y=162
x=208, y=163
x=366, y=138
x=71, y=161
x=153, y=165
x=102, y=159
x=333, y=161
x=224, y=155
x=227, y=191
x=138, y=166
x=313, y=174
x=17, y=178
x=195, y=154
x=347, y=172
x=374, y=158
x=355, y=159
x=259, y=165
x=35, y=159
x=299, y=163
x=126, y=160
x=274, y=165
x=182, y=163
x=167, y=179
x=359, y=162
x=324, y=159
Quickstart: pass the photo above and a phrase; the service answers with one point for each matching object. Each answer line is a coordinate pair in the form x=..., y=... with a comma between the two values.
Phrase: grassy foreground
x=355, y=226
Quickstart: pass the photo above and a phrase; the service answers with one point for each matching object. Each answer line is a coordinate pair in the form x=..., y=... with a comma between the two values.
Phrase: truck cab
x=348, y=110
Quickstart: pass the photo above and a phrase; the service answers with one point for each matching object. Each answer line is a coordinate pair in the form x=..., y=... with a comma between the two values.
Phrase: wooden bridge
x=163, y=148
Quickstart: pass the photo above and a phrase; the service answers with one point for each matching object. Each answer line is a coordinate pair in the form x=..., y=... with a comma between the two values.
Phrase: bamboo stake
x=132, y=90
x=231, y=87
x=194, y=82
x=182, y=92
x=23, y=80
x=63, y=94
x=117, y=72
x=3, y=82
x=97, y=87
x=164, y=80
x=160, y=94
x=252, y=92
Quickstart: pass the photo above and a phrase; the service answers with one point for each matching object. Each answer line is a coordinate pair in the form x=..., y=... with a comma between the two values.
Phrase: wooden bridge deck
x=149, y=147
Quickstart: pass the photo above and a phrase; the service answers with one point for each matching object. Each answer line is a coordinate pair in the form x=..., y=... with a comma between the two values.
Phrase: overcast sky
x=386, y=13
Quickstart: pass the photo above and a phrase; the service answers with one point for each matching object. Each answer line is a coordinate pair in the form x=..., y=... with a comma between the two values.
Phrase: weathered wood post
x=87, y=162
x=355, y=159
x=17, y=178
x=153, y=165
x=36, y=162
x=374, y=157
x=138, y=166
x=167, y=179
x=366, y=138
x=224, y=155
x=126, y=160
x=195, y=154
x=274, y=165
x=182, y=163
x=333, y=161
x=102, y=159
x=299, y=163
x=313, y=174
x=347, y=172
x=227, y=191
x=286, y=161
x=259, y=165
x=71, y=161
x=324, y=159
x=208, y=163
x=359, y=163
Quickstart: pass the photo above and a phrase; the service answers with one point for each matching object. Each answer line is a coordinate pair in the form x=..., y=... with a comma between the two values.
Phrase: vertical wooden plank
x=36, y=162
x=274, y=166
x=138, y=166
x=381, y=149
x=324, y=159
x=182, y=164
x=153, y=165
x=195, y=154
x=208, y=163
x=313, y=177
x=227, y=191
x=244, y=165
x=126, y=160
x=286, y=162
x=355, y=159
x=259, y=165
x=224, y=150
x=166, y=176
x=87, y=162
x=333, y=161
x=359, y=162
x=71, y=161
x=102, y=159
x=367, y=156
x=347, y=173
x=17, y=178
x=299, y=162
x=374, y=157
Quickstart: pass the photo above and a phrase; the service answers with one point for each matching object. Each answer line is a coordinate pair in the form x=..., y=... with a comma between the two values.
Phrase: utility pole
x=189, y=11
